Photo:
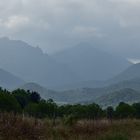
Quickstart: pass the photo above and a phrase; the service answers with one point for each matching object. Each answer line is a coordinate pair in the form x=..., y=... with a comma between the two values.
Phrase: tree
x=124, y=110
x=110, y=112
x=94, y=111
x=22, y=97
x=9, y=103
x=136, y=107
x=35, y=97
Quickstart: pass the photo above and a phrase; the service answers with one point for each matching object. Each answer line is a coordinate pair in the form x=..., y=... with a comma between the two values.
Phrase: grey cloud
x=55, y=24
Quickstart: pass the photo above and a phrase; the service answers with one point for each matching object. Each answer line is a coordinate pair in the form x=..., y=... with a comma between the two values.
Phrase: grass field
x=17, y=128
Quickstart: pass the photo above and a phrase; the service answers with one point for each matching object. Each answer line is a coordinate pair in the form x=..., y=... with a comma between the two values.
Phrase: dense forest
x=31, y=104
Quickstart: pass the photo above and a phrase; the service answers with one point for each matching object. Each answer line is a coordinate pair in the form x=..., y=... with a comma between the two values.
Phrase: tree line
x=30, y=103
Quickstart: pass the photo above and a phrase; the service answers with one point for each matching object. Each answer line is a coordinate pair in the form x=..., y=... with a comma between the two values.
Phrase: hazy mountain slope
x=99, y=92
x=130, y=77
x=91, y=63
x=8, y=80
x=32, y=64
x=69, y=96
x=130, y=73
x=82, y=95
x=82, y=84
x=125, y=95
x=45, y=93
x=112, y=94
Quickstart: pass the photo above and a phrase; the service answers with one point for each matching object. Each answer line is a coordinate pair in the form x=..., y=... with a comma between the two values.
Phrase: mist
x=55, y=25
x=84, y=46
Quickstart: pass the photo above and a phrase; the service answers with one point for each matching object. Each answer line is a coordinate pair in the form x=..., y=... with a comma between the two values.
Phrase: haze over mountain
x=61, y=24
x=80, y=67
x=132, y=72
x=126, y=95
x=109, y=95
x=9, y=81
x=63, y=97
x=80, y=63
x=91, y=63
x=73, y=51
x=130, y=77
x=126, y=89
x=44, y=92
x=32, y=64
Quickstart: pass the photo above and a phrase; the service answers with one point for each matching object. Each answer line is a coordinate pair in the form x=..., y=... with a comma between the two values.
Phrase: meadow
x=17, y=127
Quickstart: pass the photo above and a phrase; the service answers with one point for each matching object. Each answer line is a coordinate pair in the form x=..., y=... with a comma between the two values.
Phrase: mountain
x=8, y=80
x=44, y=92
x=82, y=84
x=96, y=93
x=130, y=77
x=131, y=72
x=71, y=66
x=85, y=95
x=31, y=64
x=91, y=63
x=125, y=87
x=69, y=96
x=126, y=95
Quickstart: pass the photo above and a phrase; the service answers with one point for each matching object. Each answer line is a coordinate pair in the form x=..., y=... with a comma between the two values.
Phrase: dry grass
x=16, y=128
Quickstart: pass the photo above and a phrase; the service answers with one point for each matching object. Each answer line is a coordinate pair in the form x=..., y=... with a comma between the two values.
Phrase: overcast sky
x=56, y=24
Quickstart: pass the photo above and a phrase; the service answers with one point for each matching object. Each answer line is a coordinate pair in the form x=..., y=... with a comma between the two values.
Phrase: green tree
x=22, y=97
x=94, y=111
x=110, y=112
x=35, y=97
x=124, y=110
x=136, y=107
x=9, y=103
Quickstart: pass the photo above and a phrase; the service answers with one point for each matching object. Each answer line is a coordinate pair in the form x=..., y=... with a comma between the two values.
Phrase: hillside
x=8, y=80
x=91, y=63
x=89, y=95
x=82, y=95
x=130, y=77
x=99, y=92
x=31, y=64
x=44, y=92
x=67, y=96
x=131, y=72
x=125, y=95
x=82, y=84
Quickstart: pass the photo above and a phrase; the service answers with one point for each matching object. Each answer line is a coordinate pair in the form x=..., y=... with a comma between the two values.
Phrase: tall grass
x=15, y=127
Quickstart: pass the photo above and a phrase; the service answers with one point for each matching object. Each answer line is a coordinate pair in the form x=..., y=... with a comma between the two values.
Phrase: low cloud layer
x=56, y=24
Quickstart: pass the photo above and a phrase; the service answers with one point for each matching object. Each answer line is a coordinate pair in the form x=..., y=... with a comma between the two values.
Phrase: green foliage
x=136, y=106
x=8, y=102
x=94, y=111
x=124, y=110
x=31, y=104
x=22, y=97
x=110, y=112
x=35, y=97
